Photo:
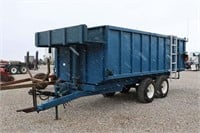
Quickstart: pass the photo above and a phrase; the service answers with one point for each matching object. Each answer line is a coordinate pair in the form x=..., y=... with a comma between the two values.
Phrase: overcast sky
x=20, y=19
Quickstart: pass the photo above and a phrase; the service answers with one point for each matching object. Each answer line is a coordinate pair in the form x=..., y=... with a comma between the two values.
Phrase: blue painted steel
x=108, y=58
x=61, y=37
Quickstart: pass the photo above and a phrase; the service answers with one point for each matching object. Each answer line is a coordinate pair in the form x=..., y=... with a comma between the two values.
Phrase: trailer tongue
x=39, y=82
x=105, y=60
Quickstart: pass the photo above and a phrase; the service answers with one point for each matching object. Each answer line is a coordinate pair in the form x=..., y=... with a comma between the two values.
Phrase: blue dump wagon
x=107, y=59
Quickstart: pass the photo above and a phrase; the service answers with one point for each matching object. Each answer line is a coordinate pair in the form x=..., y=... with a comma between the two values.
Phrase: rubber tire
x=111, y=94
x=23, y=70
x=158, y=84
x=142, y=91
x=41, y=85
x=125, y=90
x=13, y=68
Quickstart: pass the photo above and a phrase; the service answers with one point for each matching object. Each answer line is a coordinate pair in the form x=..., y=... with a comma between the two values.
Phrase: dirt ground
x=178, y=112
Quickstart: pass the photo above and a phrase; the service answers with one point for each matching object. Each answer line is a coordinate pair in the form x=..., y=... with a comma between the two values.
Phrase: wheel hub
x=23, y=70
x=164, y=87
x=13, y=70
x=150, y=91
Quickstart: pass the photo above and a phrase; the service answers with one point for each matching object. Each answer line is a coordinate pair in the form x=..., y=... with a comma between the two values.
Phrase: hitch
x=27, y=110
x=39, y=81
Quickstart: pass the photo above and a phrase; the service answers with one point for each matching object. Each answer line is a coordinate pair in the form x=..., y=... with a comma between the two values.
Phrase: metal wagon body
x=108, y=59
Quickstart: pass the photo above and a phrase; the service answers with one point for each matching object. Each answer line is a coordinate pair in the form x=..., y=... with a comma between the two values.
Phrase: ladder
x=173, y=57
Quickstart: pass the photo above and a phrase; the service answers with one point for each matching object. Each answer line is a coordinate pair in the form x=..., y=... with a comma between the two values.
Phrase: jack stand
x=64, y=106
x=34, y=97
x=56, y=109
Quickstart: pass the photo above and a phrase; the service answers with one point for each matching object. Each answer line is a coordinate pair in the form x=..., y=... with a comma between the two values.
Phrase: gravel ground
x=178, y=112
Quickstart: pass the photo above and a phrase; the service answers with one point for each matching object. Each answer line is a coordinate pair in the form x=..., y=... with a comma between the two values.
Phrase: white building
x=51, y=55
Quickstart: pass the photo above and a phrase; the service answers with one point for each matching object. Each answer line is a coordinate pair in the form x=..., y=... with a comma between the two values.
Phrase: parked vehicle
x=194, y=61
x=14, y=67
x=5, y=76
x=18, y=67
x=107, y=59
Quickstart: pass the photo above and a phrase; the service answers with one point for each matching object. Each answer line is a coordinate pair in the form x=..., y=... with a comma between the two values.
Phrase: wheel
x=111, y=94
x=125, y=89
x=146, y=91
x=13, y=70
x=40, y=76
x=162, y=86
x=23, y=69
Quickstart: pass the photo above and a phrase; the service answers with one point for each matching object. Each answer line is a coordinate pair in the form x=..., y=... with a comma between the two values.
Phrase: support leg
x=56, y=111
x=34, y=97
